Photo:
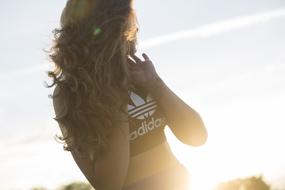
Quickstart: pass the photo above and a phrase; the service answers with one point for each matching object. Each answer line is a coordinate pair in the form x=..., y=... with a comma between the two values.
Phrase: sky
x=224, y=58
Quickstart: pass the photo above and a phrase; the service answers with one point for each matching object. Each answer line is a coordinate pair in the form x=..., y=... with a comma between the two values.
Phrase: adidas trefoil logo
x=143, y=108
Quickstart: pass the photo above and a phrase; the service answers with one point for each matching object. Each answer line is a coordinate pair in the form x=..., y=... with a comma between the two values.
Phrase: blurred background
x=224, y=58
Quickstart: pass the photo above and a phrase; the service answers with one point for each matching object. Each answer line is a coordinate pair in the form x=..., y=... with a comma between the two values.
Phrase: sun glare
x=207, y=165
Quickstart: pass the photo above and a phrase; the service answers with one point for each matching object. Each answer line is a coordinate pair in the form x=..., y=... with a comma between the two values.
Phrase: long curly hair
x=89, y=51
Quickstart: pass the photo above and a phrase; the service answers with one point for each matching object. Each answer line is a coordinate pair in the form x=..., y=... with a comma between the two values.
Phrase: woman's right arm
x=111, y=167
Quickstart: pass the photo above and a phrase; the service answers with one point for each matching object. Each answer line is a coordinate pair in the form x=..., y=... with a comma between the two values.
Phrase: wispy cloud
x=216, y=28
x=205, y=31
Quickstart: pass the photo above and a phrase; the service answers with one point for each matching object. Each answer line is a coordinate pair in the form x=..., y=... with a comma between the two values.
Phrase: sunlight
x=203, y=163
x=235, y=149
x=188, y=156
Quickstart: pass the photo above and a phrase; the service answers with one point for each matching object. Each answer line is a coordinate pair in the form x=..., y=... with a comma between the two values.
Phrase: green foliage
x=38, y=188
x=77, y=186
x=250, y=183
x=71, y=186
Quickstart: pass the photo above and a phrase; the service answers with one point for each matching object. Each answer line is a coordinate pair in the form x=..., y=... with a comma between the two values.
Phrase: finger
x=131, y=62
x=145, y=57
x=137, y=59
x=132, y=65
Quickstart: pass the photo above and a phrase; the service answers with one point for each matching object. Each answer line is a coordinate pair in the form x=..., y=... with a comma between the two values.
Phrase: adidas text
x=147, y=127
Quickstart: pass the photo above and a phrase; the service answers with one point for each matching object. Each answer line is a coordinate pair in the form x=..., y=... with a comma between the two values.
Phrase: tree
x=38, y=188
x=250, y=183
x=76, y=186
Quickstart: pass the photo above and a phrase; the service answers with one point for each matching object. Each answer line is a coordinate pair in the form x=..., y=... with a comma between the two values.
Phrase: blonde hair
x=89, y=53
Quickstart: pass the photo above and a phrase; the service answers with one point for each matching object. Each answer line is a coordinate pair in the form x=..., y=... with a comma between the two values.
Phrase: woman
x=112, y=106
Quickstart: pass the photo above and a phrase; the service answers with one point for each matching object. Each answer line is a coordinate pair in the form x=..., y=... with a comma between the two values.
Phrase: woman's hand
x=142, y=73
x=185, y=122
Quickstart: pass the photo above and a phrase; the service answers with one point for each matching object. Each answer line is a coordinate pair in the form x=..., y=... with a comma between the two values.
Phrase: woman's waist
x=150, y=162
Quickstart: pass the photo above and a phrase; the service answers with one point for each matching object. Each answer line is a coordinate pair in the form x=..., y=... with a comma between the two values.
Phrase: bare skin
x=112, y=166
x=184, y=122
x=115, y=170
